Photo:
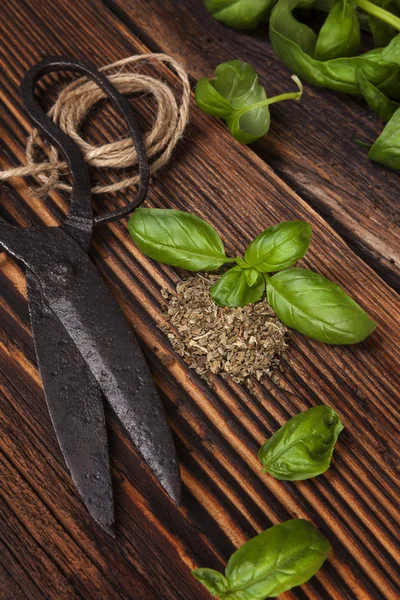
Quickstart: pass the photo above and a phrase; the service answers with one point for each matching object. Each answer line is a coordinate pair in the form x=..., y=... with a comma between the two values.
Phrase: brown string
x=72, y=106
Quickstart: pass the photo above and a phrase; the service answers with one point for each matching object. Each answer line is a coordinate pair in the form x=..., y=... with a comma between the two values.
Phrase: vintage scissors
x=85, y=348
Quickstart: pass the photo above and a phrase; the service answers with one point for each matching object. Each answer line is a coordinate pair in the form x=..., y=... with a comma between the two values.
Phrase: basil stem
x=274, y=99
x=380, y=13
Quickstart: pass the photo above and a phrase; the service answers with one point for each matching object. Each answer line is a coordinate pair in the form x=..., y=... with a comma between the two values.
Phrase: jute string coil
x=72, y=106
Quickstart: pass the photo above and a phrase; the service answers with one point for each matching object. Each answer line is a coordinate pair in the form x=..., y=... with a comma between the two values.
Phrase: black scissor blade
x=96, y=324
x=76, y=408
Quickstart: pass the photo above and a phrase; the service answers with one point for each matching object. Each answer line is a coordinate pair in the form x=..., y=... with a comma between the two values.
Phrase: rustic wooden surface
x=50, y=549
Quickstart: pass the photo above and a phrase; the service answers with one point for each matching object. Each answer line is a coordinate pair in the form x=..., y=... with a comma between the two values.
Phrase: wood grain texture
x=311, y=144
x=49, y=546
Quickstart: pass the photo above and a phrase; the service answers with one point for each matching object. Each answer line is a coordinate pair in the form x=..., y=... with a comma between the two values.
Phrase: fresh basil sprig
x=318, y=59
x=276, y=560
x=296, y=44
x=240, y=14
x=302, y=299
x=303, y=447
x=328, y=58
x=236, y=96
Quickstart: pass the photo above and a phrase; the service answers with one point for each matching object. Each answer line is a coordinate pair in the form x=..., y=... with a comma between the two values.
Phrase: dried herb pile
x=232, y=342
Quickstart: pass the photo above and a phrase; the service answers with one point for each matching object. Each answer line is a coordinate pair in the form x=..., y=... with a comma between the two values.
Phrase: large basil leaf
x=236, y=96
x=386, y=149
x=177, y=238
x=280, y=246
x=383, y=106
x=295, y=43
x=235, y=289
x=340, y=34
x=303, y=447
x=240, y=14
x=316, y=307
x=275, y=561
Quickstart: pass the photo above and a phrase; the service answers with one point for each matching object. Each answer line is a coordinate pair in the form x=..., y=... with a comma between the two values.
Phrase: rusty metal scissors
x=85, y=348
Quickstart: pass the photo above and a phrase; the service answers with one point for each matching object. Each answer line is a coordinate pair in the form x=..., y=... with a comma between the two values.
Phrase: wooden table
x=308, y=167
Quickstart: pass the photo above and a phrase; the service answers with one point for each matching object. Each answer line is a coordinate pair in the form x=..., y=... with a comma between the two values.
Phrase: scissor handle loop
x=80, y=208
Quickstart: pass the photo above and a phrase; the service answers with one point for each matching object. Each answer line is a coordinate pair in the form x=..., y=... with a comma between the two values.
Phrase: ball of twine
x=72, y=106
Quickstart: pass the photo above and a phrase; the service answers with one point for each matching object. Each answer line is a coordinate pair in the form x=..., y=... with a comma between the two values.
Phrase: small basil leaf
x=239, y=14
x=233, y=290
x=276, y=560
x=386, y=149
x=177, y=238
x=252, y=276
x=236, y=96
x=316, y=307
x=280, y=246
x=383, y=106
x=340, y=34
x=215, y=582
x=303, y=447
x=210, y=101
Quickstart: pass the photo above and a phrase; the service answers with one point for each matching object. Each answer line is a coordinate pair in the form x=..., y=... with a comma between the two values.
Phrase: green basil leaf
x=177, y=238
x=391, y=52
x=236, y=96
x=280, y=246
x=382, y=32
x=215, y=582
x=303, y=447
x=383, y=106
x=295, y=43
x=252, y=276
x=210, y=101
x=340, y=34
x=240, y=14
x=386, y=149
x=233, y=290
x=316, y=307
x=275, y=561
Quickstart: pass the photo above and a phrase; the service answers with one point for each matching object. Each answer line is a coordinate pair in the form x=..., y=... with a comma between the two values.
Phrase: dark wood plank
x=311, y=144
x=226, y=498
